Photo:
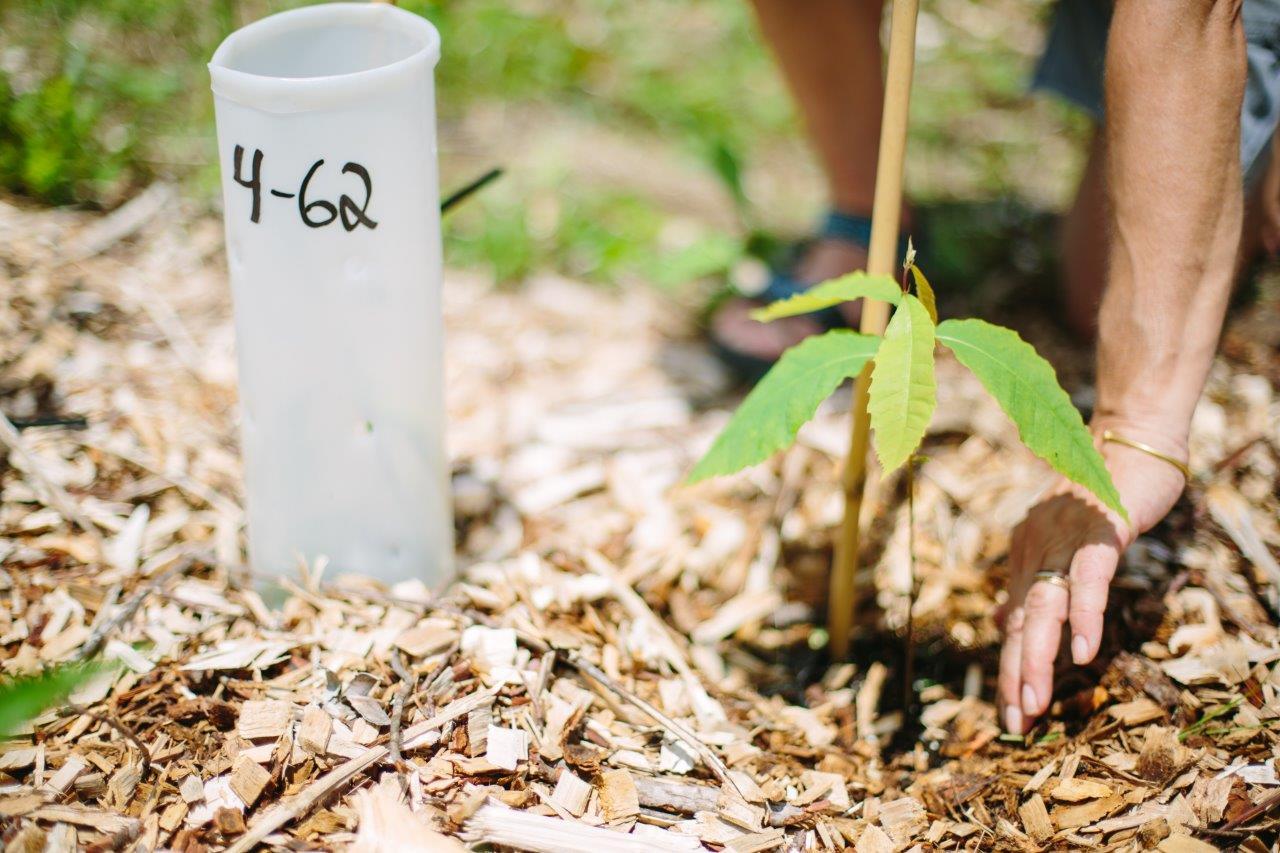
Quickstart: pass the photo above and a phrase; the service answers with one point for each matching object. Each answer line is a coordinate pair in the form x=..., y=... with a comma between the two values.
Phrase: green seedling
x=903, y=392
x=25, y=697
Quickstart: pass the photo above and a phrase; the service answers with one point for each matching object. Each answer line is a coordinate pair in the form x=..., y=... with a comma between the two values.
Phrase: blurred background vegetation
x=643, y=141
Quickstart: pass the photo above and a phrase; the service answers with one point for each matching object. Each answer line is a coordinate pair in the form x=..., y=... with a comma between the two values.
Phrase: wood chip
x=1036, y=782
x=874, y=840
x=1179, y=843
x=903, y=818
x=172, y=816
x=191, y=789
x=62, y=838
x=264, y=718
x=733, y=615
x=739, y=812
x=495, y=824
x=1035, y=819
x=676, y=795
x=386, y=823
x=67, y=774
x=1162, y=755
x=1075, y=816
x=770, y=839
x=478, y=723
x=248, y=779
x=1076, y=790
x=428, y=637
x=825, y=786
x=572, y=793
x=619, y=801
x=109, y=823
x=505, y=747
x=1135, y=713
x=315, y=730
x=123, y=784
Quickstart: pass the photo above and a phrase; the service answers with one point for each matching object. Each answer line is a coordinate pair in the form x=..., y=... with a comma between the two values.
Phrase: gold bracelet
x=1108, y=435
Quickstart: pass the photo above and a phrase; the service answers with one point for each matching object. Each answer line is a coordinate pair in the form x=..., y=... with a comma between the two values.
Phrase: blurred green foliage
x=99, y=97
x=25, y=697
x=87, y=86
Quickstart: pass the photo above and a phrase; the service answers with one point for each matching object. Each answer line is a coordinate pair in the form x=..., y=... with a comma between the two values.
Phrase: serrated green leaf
x=925, y=291
x=1026, y=387
x=25, y=697
x=784, y=399
x=855, y=285
x=903, y=393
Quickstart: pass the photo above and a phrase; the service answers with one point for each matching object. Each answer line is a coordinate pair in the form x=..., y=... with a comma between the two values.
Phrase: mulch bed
x=622, y=663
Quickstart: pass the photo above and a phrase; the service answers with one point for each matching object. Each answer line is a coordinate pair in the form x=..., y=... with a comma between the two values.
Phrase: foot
x=824, y=259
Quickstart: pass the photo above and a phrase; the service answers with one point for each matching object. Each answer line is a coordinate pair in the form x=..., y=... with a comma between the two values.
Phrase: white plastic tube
x=327, y=143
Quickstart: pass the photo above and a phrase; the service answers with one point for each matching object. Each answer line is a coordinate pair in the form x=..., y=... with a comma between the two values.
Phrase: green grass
x=100, y=97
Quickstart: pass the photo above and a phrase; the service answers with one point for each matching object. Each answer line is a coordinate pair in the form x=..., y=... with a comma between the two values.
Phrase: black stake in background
x=466, y=191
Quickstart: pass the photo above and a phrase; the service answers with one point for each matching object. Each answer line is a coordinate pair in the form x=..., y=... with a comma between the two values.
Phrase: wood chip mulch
x=622, y=663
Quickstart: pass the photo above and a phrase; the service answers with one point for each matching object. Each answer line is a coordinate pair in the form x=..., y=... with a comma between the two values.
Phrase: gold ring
x=1054, y=578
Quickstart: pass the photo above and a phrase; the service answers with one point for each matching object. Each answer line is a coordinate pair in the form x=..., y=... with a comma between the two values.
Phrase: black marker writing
x=305, y=208
x=315, y=213
x=255, y=183
x=347, y=206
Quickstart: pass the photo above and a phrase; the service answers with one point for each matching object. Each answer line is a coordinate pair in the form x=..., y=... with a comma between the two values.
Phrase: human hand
x=1071, y=533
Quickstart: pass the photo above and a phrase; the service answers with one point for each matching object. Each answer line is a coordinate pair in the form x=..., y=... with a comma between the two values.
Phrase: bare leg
x=829, y=53
x=1085, y=245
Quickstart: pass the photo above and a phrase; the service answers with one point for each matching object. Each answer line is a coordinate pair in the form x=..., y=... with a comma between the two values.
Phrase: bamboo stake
x=886, y=213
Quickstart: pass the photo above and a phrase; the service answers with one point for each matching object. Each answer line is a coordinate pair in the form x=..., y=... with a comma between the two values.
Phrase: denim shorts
x=1073, y=58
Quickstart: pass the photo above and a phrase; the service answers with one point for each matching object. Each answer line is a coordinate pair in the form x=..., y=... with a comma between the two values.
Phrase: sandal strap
x=856, y=229
x=848, y=227
x=781, y=286
x=851, y=228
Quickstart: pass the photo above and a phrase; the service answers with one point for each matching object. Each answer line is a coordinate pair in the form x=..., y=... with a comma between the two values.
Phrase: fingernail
x=1029, y=703
x=1013, y=719
x=1079, y=649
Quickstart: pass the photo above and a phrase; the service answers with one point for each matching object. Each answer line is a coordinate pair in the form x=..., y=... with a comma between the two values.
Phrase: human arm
x=1175, y=72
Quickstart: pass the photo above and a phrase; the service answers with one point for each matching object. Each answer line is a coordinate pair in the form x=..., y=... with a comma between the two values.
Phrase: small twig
x=299, y=804
x=64, y=421
x=1267, y=804
x=397, y=703
x=446, y=661
x=909, y=656
x=181, y=482
x=545, y=666
x=120, y=727
x=712, y=760
x=1231, y=457
x=100, y=633
x=673, y=647
x=909, y=648
x=590, y=670
x=1114, y=771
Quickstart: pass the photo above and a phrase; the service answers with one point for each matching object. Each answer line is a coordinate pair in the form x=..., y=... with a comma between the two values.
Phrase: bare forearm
x=1175, y=80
